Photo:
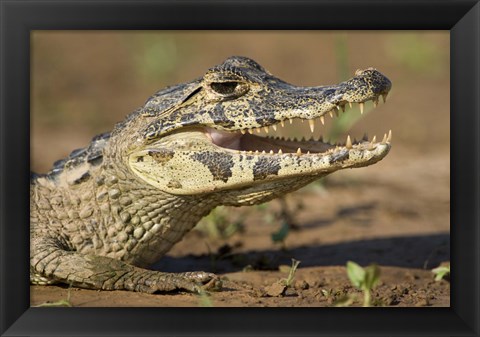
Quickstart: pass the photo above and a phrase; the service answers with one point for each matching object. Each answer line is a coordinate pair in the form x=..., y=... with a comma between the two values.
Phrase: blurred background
x=82, y=82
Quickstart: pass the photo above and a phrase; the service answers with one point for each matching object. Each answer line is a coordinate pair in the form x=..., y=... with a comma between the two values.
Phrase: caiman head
x=217, y=134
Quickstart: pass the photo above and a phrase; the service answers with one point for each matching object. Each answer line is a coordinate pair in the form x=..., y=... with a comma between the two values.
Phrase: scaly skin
x=109, y=210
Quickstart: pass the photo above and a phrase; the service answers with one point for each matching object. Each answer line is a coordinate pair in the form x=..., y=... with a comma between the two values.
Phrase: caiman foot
x=100, y=272
x=196, y=282
x=206, y=281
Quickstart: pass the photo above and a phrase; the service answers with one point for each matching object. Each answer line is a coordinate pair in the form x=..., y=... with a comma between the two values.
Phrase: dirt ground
x=395, y=214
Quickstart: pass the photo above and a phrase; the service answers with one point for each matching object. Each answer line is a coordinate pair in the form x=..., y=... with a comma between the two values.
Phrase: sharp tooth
x=361, y=104
x=389, y=137
x=322, y=119
x=263, y=152
x=384, y=96
x=282, y=123
x=271, y=151
x=290, y=120
x=308, y=152
x=265, y=128
x=374, y=139
x=375, y=102
x=331, y=113
x=250, y=152
x=280, y=151
x=384, y=140
x=258, y=130
x=343, y=107
x=250, y=131
x=365, y=137
x=348, y=144
x=256, y=152
x=312, y=124
x=299, y=151
x=242, y=131
x=274, y=127
x=350, y=104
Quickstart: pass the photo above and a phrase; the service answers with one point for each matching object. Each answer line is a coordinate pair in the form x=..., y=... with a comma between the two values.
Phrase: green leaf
x=372, y=276
x=441, y=272
x=356, y=274
x=281, y=234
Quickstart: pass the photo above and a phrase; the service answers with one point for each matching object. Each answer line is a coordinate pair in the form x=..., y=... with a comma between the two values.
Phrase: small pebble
x=275, y=289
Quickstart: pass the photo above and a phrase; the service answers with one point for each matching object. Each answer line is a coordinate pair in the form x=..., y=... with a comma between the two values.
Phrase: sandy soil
x=395, y=213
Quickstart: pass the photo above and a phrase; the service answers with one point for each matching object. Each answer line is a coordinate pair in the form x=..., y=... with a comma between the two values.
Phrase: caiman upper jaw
x=264, y=139
x=368, y=84
x=264, y=101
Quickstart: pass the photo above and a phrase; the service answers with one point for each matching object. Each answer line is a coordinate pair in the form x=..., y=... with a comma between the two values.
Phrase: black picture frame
x=19, y=17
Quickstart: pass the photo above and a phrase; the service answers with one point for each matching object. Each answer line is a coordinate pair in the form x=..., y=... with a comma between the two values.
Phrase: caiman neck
x=142, y=213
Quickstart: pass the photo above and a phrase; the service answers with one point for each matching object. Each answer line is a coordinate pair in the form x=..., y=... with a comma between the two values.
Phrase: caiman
x=106, y=212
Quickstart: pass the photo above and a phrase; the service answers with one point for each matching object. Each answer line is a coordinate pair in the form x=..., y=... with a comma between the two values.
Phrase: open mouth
x=274, y=139
x=220, y=138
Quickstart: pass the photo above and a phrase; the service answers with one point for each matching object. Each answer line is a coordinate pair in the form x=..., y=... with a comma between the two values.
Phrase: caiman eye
x=224, y=88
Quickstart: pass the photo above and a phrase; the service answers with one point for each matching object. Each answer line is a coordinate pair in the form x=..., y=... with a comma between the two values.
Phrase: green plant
x=364, y=279
x=204, y=299
x=286, y=217
x=64, y=302
x=291, y=273
x=441, y=272
x=220, y=224
x=282, y=233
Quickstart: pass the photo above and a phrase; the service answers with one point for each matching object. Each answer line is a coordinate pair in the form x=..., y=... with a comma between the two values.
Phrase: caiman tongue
x=229, y=140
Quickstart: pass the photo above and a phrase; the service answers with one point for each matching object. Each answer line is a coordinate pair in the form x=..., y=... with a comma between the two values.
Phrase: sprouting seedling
x=64, y=302
x=364, y=279
x=291, y=273
x=441, y=272
x=204, y=299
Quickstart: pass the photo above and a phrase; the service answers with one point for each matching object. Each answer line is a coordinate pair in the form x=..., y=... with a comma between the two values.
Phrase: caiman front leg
x=50, y=263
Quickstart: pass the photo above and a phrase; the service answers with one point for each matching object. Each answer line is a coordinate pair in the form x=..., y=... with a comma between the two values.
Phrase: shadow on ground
x=419, y=251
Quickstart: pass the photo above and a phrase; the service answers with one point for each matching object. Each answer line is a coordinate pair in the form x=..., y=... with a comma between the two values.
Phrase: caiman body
x=102, y=215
